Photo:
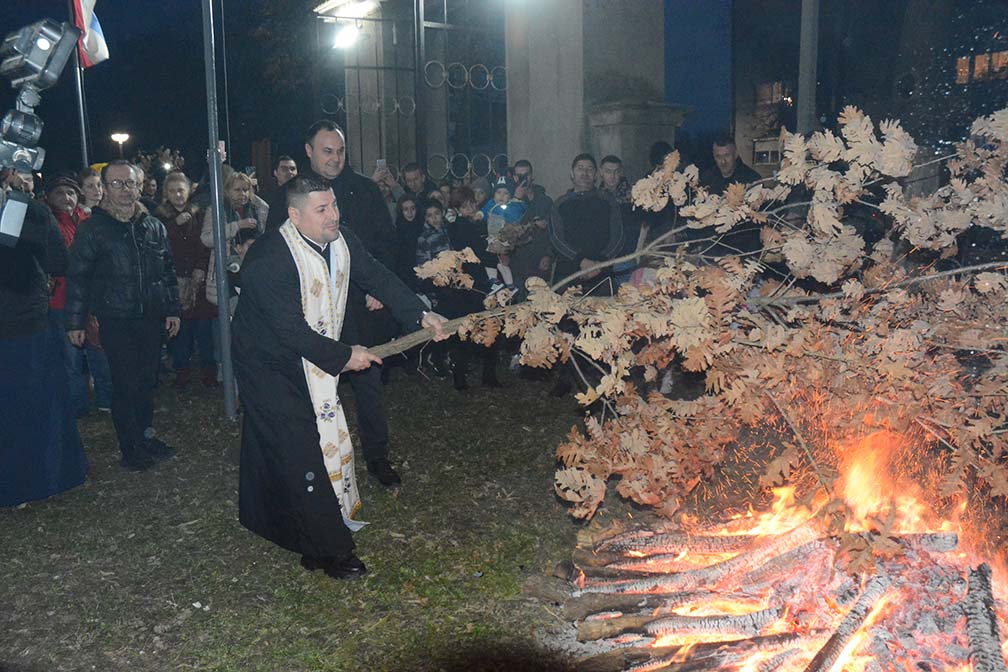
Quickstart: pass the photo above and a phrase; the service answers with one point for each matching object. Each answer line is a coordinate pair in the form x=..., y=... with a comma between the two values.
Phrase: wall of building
x=545, y=107
x=568, y=57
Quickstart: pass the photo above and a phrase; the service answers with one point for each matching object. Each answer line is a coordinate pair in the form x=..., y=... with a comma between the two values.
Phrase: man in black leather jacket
x=121, y=271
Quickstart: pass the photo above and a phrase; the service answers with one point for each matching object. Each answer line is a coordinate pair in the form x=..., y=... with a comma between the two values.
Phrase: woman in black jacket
x=40, y=450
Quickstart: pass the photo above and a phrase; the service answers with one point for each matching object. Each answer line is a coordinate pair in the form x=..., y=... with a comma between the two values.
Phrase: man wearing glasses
x=121, y=271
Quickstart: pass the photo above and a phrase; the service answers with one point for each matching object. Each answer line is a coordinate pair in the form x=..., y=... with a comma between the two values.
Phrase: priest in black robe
x=285, y=491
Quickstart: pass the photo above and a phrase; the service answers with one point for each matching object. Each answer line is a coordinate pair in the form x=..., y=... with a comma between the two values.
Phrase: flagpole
x=81, y=114
x=217, y=205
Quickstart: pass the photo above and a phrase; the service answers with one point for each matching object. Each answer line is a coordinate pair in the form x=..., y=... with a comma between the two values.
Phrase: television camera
x=32, y=58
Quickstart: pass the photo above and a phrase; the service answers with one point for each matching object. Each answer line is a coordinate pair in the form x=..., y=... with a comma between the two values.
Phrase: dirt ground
x=152, y=571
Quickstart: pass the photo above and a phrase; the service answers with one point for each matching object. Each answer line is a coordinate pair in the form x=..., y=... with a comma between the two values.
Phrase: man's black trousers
x=133, y=348
x=372, y=423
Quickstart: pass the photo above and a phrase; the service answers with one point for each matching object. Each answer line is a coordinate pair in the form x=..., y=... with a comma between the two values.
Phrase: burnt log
x=981, y=623
x=851, y=623
x=610, y=624
x=711, y=576
x=583, y=606
x=640, y=545
x=712, y=655
x=746, y=625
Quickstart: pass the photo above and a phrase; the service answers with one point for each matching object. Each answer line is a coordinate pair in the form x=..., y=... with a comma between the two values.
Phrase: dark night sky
x=152, y=87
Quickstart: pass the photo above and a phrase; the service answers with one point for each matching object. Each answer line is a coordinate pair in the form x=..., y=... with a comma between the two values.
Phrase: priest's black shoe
x=137, y=459
x=383, y=471
x=349, y=567
x=158, y=449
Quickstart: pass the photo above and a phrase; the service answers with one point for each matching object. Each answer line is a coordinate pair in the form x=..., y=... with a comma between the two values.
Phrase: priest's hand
x=360, y=359
x=435, y=322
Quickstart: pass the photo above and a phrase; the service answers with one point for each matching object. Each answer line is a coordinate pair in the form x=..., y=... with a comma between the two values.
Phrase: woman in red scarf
x=63, y=195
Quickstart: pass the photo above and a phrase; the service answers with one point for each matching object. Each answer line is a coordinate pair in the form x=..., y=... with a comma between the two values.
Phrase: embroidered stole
x=323, y=301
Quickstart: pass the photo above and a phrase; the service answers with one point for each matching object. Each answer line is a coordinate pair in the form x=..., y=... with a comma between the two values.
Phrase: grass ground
x=152, y=571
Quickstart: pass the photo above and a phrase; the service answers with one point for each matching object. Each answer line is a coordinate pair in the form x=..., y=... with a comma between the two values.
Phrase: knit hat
x=63, y=179
x=482, y=184
x=505, y=182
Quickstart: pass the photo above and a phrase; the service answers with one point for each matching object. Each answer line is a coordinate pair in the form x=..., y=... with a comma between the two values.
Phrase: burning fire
x=779, y=603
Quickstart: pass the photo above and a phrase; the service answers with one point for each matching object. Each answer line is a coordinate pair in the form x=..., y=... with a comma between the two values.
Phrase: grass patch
x=105, y=577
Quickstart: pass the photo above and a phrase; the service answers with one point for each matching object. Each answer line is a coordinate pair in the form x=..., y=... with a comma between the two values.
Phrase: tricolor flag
x=93, y=49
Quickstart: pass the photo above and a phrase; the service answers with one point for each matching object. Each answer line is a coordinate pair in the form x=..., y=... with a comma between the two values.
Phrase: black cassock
x=284, y=493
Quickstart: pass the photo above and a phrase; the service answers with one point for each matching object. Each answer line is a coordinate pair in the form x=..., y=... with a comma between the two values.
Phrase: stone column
x=545, y=98
x=564, y=57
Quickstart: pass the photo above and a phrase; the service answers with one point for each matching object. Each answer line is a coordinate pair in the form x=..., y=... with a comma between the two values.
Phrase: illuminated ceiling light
x=346, y=36
x=349, y=9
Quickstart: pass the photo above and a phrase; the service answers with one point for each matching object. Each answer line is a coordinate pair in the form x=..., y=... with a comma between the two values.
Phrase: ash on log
x=981, y=623
x=851, y=623
x=712, y=575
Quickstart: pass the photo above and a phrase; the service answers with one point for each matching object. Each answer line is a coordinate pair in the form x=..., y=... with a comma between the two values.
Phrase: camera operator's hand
x=360, y=359
x=76, y=337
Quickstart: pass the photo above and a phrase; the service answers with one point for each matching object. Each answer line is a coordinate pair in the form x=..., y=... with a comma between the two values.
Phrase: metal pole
x=807, y=61
x=418, y=82
x=81, y=115
x=227, y=97
x=216, y=181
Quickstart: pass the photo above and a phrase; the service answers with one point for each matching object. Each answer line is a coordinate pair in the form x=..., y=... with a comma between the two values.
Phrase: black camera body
x=32, y=58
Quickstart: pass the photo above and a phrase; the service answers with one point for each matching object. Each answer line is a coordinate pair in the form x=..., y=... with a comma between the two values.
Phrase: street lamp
x=120, y=138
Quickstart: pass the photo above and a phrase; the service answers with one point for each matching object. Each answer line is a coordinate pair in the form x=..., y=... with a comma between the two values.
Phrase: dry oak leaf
x=898, y=150
x=793, y=167
x=779, y=469
x=691, y=321
x=989, y=283
x=826, y=147
x=446, y=268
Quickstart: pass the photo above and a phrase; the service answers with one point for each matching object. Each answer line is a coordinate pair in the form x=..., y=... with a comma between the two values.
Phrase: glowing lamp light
x=120, y=138
x=346, y=36
x=167, y=166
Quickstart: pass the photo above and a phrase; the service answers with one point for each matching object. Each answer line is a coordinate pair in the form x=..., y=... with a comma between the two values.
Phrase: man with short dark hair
x=363, y=211
x=728, y=169
x=121, y=270
x=297, y=485
x=535, y=257
x=284, y=170
x=415, y=182
x=586, y=228
x=615, y=183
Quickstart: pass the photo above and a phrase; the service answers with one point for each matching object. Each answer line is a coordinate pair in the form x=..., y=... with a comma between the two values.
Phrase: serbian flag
x=91, y=44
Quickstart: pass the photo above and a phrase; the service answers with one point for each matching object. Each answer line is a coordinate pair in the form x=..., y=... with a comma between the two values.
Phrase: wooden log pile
x=660, y=599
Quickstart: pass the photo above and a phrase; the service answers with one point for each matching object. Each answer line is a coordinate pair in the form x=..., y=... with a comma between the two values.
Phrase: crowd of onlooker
x=138, y=246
